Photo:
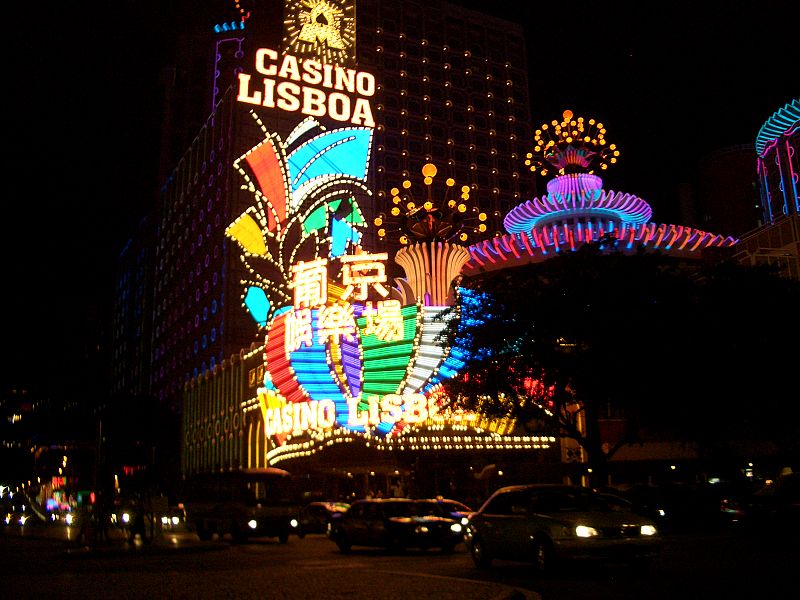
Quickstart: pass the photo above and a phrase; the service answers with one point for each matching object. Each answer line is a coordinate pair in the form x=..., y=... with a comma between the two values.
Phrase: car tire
x=283, y=537
x=448, y=548
x=543, y=556
x=238, y=536
x=343, y=542
x=480, y=556
x=203, y=533
x=396, y=545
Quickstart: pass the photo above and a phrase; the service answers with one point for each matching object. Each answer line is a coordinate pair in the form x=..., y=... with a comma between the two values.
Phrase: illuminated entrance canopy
x=310, y=87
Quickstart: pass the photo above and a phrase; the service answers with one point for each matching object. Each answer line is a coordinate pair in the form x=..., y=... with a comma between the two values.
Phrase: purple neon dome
x=577, y=210
x=577, y=197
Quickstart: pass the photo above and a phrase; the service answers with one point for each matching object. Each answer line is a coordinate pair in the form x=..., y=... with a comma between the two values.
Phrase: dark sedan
x=394, y=524
x=543, y=523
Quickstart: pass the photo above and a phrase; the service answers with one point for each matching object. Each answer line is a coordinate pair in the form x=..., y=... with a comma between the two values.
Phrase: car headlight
x=584, y=531
x=252, y=524
x=126, y=517
x=176, y=520
x=165, y=520
x=647, y=530
x=456, y=528
x=294, y=523
x=69, y=518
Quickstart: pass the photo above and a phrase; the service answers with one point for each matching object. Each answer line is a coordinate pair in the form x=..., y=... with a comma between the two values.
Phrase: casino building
x=415, y=83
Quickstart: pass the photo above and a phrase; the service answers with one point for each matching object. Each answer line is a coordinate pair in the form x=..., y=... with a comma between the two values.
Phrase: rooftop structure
x=576, y=209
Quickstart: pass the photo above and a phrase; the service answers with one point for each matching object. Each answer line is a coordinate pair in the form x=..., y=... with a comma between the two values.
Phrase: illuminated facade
x=296, y=132
x=349, y=358
x=778, y=164
x=777, y=241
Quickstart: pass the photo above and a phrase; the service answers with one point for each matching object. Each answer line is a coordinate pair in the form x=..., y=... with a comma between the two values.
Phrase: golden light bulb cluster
x=447, y=218
x=572, y=145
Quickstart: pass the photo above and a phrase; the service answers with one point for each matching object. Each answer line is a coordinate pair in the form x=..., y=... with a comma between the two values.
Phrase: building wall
x=131, y=328
x=453, y=90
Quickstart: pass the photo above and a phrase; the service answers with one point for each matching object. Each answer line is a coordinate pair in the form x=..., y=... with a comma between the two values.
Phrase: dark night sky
x=671, y=81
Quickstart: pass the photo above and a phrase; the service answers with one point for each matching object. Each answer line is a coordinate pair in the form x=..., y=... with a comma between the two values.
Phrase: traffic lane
x=313, y=567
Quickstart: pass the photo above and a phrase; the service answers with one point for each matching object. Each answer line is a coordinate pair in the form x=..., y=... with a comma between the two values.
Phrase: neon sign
x=322, y=96
x=300, y=417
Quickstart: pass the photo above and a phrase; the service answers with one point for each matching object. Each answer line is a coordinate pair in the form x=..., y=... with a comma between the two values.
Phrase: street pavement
x=328, y=582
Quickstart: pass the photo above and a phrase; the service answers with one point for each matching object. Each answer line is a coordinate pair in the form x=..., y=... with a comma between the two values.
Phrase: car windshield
x=570, y=501
x=425, y=509
x=400, y=509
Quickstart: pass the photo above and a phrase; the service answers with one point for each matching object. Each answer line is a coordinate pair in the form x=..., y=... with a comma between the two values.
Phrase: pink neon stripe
x=700, y=239
x=475, y=258
x=527, y=245
x=513, y=244
x=662, y=230
x=497, y=248
x=675, y=233
x=487, y=252
x=555, y=238
x=537, y=238
x=686, y=239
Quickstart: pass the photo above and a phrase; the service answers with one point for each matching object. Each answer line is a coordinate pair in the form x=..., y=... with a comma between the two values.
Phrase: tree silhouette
x=702, y=350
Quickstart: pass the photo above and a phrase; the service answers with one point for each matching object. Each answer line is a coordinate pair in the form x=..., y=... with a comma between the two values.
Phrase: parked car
x=315, y=517
x=394, y=524
x=546, y=523
x=688, y=506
